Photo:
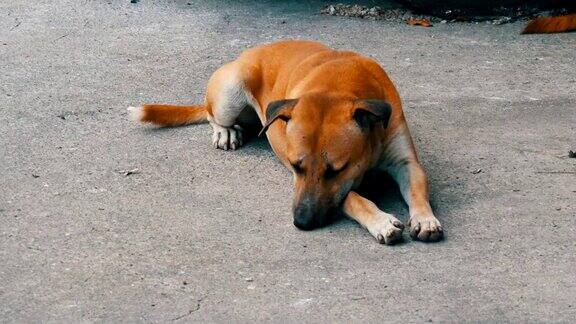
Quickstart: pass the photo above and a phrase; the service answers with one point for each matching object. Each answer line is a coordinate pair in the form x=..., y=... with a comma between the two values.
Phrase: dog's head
x=328, y=146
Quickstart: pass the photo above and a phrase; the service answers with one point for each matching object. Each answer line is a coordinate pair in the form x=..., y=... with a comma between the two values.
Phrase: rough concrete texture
x=206, y=235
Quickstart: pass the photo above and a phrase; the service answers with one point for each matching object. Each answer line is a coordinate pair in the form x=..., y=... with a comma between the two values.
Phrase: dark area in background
x=499, y=11
x=454, y=8
x=484, y=6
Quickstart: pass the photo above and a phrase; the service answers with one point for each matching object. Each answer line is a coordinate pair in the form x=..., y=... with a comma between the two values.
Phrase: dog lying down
x=330, y=117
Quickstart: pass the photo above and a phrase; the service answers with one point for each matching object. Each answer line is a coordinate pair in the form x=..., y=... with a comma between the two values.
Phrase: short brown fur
x=546, y=25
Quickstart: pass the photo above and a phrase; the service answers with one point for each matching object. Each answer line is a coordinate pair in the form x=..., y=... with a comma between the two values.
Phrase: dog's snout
x=310, y=213
x=305, y=215
x=305, y=224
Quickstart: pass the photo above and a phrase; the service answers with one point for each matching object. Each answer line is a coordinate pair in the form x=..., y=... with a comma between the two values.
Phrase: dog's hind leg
x=384, y=227
x=231, y=104
x=402, y=164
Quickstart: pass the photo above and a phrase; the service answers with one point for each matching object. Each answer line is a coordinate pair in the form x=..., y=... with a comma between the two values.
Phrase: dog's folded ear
x=280, y=109
x=369, y=112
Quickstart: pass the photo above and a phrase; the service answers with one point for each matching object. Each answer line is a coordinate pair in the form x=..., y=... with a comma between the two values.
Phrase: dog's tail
x=556, y=24
x=169, y=115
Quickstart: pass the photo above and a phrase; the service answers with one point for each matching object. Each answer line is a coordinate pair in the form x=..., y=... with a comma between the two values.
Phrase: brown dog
x=330, y=116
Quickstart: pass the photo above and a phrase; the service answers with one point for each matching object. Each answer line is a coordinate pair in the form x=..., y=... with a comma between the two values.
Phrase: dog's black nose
x=305, y=224
x=304, y=215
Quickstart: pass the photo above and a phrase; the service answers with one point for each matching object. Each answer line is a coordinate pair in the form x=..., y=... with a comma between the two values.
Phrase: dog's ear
x=280, y=109
x=369, y=112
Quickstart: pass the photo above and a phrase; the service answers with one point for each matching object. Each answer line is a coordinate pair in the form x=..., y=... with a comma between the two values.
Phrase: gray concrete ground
x=206, y=235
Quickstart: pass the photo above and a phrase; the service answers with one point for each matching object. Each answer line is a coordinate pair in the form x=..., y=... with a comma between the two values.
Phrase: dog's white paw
x=227, y=138
x=425, y=228
x=135, y=113
x=387, y=230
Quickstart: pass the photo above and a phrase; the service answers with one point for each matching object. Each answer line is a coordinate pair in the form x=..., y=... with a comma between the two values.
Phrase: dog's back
x=547, y=25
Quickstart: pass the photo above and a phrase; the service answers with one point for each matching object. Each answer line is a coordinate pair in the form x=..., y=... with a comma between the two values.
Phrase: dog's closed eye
x=332, y=172
x=297, y=166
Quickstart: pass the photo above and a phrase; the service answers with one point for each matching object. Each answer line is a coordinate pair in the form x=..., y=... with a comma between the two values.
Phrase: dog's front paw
x=227, y=138
x=425, y=228
x=388, y=230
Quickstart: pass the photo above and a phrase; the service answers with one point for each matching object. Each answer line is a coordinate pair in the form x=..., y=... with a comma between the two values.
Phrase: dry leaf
x=419, y=22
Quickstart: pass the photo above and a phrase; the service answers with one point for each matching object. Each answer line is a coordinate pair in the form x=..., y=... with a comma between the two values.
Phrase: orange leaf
x=419, y=22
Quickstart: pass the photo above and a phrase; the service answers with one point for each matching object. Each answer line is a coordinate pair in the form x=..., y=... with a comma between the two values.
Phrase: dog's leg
x=384, y=227
x=402, y=164
x=229, y=98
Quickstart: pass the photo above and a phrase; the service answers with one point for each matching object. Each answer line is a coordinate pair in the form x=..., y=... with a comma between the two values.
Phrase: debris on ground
x=497, y=16
x=372, y=13
x=129, y=172
x=419, y=22
x=502, y=21
x=477, y=171
x=572, y=154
